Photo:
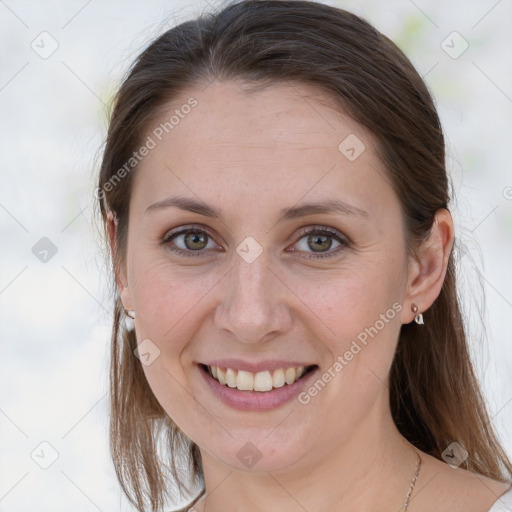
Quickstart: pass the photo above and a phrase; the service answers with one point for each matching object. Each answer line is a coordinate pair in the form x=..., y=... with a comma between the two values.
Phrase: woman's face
x=237, y=281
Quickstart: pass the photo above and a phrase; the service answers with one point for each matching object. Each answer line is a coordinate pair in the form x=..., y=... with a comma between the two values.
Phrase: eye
x=317, y=242
x=189, y=242
x=320, y=241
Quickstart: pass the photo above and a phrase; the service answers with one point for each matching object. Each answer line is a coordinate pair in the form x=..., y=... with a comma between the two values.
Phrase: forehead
x=289, y=139
x=283, y=116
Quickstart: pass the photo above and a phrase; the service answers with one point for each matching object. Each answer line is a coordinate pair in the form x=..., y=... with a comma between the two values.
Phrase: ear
x=427, y=268
x=120, y=275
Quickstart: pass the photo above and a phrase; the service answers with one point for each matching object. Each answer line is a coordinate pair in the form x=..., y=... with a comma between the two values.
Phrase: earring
x=419, y=317
x=130, y=313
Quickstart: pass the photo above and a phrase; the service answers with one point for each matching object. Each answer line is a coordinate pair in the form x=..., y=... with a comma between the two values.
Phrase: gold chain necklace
x=413, y=481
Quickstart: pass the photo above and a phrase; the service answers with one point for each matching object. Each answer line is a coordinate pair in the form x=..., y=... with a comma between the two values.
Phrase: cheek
x=167, y=304
x=357, y=322
x=346, y=301
x=363, y=318
x=165, y=300
x=341, y=304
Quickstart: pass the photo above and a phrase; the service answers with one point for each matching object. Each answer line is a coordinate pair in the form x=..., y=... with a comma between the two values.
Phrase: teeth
x=231, y=377
x=245, y=381
x=290, y=375
x=278, y=379
x=260, y=381
x=221, y=375
x=263, y=381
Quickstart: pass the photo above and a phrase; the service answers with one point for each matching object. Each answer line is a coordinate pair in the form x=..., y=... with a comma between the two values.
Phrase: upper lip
x=239, y=364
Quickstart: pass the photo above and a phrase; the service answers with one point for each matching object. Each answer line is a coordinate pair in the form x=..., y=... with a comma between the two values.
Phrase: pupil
x=195, y=238
x=323, y=241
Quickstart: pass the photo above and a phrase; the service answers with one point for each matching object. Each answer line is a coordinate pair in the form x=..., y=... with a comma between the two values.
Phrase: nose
x=252, y=307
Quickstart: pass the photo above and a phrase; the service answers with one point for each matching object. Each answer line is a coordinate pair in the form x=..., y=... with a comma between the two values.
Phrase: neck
x=369, y=470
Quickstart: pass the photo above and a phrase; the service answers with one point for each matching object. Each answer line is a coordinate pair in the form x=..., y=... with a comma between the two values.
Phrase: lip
x=256, y=400
x=239, y=364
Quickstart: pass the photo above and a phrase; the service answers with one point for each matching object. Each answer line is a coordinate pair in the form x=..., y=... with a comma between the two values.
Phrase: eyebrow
x=294, y=212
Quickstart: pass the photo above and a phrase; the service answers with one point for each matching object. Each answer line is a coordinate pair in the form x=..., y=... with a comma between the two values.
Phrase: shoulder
x=453, y=488
x=195, y=505
x=503, y=503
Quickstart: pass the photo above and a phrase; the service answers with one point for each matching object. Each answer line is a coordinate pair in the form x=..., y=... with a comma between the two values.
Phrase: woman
x=275, y=196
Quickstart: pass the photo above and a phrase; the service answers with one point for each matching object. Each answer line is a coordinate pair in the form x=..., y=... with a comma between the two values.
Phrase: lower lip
x=256, y=400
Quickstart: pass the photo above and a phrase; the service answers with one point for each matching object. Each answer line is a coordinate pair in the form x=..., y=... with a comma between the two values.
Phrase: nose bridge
x=251, y=279
x=249, y=306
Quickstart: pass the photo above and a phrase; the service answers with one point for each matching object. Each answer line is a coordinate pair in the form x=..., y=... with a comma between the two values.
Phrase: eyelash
x=342, y=240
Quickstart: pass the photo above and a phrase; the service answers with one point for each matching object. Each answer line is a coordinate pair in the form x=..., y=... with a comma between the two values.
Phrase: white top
x=504, y=503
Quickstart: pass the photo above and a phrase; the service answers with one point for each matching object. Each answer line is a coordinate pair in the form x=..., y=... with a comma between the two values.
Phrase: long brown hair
x=435, y=397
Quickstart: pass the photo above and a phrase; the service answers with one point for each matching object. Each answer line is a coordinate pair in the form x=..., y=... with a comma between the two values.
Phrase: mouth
x=262, y=381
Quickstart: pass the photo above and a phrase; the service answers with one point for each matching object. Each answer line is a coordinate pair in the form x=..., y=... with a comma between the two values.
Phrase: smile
x=262, y=381
x=256, y=386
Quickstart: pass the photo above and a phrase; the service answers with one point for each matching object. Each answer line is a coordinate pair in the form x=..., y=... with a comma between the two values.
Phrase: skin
x=251, y=155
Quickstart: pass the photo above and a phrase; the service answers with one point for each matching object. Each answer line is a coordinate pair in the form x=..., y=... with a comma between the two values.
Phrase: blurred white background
x=55, y=315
